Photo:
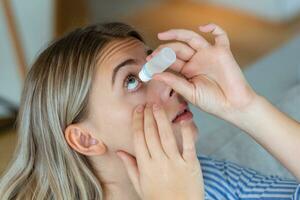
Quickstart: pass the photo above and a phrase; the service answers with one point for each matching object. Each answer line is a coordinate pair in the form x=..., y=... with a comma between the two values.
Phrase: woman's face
x=117, y=90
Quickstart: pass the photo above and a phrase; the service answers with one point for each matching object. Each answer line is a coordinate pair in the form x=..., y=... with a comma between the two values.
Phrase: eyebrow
x=127, y=62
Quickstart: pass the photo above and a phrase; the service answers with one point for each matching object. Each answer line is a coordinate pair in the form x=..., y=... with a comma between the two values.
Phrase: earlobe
x=80, y=140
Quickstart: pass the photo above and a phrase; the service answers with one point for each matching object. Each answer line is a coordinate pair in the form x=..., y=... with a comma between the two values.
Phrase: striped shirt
x=226, y=180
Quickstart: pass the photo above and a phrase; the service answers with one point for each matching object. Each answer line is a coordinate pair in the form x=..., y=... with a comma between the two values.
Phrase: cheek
x=116, y=128
x=136, y=98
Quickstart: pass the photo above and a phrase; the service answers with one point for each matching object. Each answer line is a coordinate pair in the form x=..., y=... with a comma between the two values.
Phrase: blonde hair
x=55, y=95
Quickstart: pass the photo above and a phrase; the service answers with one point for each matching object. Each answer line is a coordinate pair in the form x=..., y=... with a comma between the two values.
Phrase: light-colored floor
x=251, y=38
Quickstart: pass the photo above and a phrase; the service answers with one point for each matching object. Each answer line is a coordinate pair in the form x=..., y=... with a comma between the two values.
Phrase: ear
x=83, y=142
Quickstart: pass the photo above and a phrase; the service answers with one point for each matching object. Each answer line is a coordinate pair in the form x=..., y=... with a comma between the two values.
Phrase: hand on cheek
x=159, y=168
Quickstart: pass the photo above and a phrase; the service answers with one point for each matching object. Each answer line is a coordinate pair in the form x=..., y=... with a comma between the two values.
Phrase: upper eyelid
x=125, y=82
x=149, y=51
x=128, y=71
x=135, y=74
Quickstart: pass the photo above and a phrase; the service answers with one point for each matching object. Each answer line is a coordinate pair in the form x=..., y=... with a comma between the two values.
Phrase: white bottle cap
x=144, y=75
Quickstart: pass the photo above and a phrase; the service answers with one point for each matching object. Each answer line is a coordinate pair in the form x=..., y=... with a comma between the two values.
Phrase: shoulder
x=242, y=182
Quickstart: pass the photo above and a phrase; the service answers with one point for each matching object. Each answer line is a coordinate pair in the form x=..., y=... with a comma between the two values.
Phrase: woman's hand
x=159, y=170
x=212, y=79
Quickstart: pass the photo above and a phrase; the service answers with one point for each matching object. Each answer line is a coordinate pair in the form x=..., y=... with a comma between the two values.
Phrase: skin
x=108, y=127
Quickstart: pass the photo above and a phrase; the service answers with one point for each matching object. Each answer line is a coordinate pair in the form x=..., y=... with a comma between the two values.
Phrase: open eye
x=131, y=83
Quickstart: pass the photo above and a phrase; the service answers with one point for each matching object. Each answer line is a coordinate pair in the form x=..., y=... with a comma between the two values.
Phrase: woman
x=78, y=117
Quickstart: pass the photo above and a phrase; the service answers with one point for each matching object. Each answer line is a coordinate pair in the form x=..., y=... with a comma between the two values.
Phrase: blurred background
x=264, y=37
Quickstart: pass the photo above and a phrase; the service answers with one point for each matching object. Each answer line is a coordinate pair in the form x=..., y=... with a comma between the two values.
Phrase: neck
x=113, y=177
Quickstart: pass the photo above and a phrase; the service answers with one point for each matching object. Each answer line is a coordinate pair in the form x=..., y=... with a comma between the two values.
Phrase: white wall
x=34, y=20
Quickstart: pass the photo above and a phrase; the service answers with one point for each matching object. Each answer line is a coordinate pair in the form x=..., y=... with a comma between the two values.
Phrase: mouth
x=184, y=114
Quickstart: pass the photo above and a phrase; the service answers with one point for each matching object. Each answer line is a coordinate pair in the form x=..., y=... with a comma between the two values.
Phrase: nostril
x=171, y=92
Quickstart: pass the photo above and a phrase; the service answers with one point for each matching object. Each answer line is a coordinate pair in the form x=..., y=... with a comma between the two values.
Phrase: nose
x=159, y=92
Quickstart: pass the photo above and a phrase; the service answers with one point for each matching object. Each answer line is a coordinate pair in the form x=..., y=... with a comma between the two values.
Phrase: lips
x=182, y=114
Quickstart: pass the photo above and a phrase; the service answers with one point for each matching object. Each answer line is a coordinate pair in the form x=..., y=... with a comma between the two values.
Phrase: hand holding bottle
x=208, y=75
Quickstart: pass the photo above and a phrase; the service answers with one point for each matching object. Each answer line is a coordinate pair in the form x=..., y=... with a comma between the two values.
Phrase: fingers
x=151, y=134
x=193, y=39
x=131, y=168
x=182, y=50
x=189, y=150
x=221, y=37
x=165, y=132
x=176, y=66
x=140, y=146
x=183, y=53
x=178, y=83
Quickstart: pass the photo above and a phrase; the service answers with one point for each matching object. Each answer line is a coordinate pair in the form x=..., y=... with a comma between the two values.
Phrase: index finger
x=221, y=37
x=183, y=51
x=192, y=38
x=183, y=54
x=140, y=146
x=166, y=133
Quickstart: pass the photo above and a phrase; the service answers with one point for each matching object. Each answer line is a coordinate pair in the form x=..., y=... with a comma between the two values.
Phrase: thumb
x=178, y=83
x=132, y=169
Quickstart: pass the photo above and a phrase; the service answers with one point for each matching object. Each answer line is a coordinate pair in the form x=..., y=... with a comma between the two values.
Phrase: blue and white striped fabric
x=226, y=180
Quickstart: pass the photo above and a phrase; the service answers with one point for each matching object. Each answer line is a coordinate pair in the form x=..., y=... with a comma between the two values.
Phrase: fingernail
x=139, y=108
x=156, y=106
x=160, y=33
x=170, y=33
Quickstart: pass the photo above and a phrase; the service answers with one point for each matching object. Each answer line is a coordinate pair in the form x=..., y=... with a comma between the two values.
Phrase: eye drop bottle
x=159, y=63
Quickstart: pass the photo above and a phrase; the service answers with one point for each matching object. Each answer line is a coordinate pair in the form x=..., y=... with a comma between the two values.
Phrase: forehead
x=119, y=49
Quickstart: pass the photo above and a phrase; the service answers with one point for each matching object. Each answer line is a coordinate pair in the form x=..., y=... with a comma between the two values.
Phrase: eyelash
x=126, y=81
